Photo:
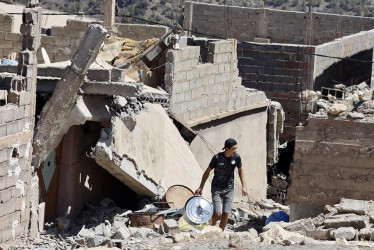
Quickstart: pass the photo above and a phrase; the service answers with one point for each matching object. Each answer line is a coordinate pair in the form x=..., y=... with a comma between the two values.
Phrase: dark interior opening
x=347, y=72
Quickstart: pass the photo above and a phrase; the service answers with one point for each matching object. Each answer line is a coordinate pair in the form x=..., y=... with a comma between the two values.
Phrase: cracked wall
x=333, y=159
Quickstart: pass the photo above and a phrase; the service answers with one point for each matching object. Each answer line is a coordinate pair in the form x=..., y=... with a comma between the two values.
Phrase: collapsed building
x=104, y=131
x=122, y=133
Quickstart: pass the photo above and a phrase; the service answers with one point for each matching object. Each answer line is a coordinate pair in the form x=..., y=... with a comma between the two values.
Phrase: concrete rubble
x=353, y=102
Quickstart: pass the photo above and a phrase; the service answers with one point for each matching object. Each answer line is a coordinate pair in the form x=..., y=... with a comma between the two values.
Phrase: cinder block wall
x=358, y=46
x=202, y=89
x=64, y=41
x=281, y=71
x=333, y=159
x=15, y=147
x=245, y=24
x=9, y=41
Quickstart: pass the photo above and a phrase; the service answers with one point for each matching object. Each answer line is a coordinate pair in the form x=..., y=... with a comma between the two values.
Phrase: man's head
x=230, y=147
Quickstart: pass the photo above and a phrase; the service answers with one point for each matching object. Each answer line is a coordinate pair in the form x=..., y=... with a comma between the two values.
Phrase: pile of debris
x=350, y=220
x=355, y=102
x=277, y=190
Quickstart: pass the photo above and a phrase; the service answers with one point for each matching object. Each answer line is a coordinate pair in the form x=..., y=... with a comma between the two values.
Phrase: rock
x=330, y=210
x=337, y=108
x=211, y=233
x=63, y=224
x=362, y=85
x=323, y=104
x=301, y=226
x=171, y=226
x=119, y=102
x=347, y=233
x=349, y=220
x=340, y=241
x=359, y=207
x=211, y=229
x=122, y=233
x=319, y=234
x=177, y=238
x=166, y=241
x=356, y=115
x=161, y=229
x=276, y=234
x=253, y=233
x=238, y=236
x=86, y=233
x=142, y=232
x=366, y=233
x=118, y=224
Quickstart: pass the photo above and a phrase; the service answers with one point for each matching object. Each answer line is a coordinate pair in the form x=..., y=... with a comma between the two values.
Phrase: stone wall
x=327, y=69
x=199, y=90
x=333, y=159
x=64, y=41
x=246, y=24
x=9, y=41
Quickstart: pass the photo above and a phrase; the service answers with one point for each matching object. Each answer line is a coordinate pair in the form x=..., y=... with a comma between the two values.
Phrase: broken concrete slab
x=347, y=233
x=148, y=166
x=55, y=111
x=359, y=207
x=122, y=234
x=349, y=220
x=320, y=234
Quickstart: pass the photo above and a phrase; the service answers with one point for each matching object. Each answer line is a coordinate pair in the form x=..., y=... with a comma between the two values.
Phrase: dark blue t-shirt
x=224, y=171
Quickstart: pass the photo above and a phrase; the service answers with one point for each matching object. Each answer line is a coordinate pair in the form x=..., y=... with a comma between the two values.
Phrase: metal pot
x=197, y=210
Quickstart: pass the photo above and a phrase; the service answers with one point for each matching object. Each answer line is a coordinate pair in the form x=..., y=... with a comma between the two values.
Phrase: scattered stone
x=337, y=108
x=320, y=234
x=356, y=115
x=122, y=233
x=353, y=206
x=362, y=85
x=347, y=233
x=177, y=238
x=366, y=233
x=349, y=220
x=171, y=226
x=166, y=241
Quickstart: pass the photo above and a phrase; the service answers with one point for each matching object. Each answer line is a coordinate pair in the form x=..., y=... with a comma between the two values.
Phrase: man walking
x=224, y=164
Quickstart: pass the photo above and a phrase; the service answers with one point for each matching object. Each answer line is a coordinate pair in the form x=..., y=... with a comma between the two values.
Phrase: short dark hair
x=229, y=143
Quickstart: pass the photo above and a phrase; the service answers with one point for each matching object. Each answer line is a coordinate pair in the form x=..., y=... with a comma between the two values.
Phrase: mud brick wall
x=358, y=46
x=202, y=89
x=333, y=159
x=281, y=71
x=245, y=24
x=9, y=41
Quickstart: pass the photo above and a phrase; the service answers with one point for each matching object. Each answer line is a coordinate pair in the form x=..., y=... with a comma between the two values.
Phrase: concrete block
x=100, y=75
x=94, y=33
x=77, y=24
x=320, y=234
x=47, y=40
x=359, y=207
x=349, y=220
x=7, y=27
x=5, y=195
x=12, y=128
x=62, y=41
x=6, y=44
x=122, y=234
x=347, y=233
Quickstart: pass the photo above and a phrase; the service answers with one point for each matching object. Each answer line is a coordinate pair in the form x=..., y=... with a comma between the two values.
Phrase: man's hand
x=199, y=191
x=244, y=191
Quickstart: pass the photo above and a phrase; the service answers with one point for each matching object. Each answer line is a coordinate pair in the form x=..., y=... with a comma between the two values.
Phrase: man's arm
x=242, y=179
x=203, y=180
